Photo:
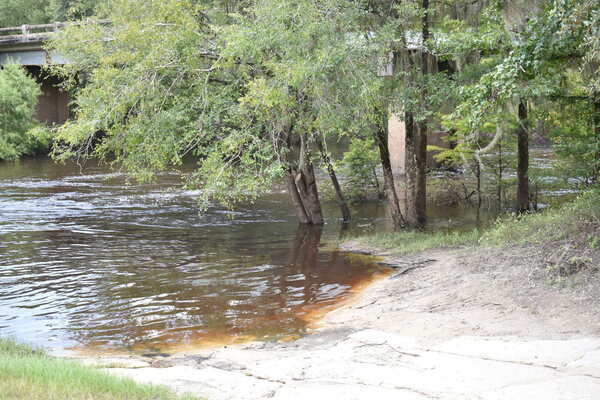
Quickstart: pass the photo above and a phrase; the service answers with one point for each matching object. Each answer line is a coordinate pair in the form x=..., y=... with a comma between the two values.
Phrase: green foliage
x=248, y=87
x=235, y=93
x=414, y=242
x=19, y=12
x=158, y=113
x=18, y=97
x=65, y=10
x=575, y=140
x=31, y=12
x=12, y=348
x=359, y=166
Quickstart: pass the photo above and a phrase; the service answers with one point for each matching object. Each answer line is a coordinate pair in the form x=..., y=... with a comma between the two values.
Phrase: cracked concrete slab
x=209, y=383
x=346, y=392
x=552, y=353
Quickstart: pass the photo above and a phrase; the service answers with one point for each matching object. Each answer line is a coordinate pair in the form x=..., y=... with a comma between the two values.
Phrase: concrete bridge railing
x=24, y=44
x=28, y=33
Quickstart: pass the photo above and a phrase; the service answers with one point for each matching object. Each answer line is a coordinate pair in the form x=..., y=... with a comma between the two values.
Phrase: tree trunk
x=301, y=213
x=421, y=189
x=301, y=182
x=596, y=175
x=478, y=176
x=412, y=138
x=307, y=185
x=500, y=173
x=416, y=143
x=306, y=246
x=341, y=200
x=523, y=159
x=381, y=138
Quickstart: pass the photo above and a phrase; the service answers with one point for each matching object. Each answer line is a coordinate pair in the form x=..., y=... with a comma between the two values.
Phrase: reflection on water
x=86, y=260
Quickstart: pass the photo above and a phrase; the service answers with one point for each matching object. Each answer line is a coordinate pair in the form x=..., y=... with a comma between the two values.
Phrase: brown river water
x=90, y=262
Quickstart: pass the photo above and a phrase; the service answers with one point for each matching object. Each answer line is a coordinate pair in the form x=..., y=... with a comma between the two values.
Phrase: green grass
x=30, y=374
x=580, y=215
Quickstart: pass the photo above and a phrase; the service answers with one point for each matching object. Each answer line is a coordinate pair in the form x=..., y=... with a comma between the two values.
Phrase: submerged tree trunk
x=306, y=246
x=341, y=200
x=523, y=159
x=381, y=138
x=301, y=214
x=307, y=184
x=301, y=182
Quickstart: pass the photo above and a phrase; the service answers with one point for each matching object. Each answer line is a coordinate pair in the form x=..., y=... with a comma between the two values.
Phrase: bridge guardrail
x=28, y=33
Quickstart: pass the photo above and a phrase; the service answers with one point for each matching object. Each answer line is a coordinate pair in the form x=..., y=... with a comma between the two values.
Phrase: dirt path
x=441, y=327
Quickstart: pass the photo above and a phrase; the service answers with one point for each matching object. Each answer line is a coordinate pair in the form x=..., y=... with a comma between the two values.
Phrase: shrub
x=19, y=132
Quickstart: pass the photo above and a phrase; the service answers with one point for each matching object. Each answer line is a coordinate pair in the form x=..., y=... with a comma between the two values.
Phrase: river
x=89, y=261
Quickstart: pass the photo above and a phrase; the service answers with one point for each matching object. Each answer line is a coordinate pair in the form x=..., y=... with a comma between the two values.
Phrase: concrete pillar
x=397, y=146
x=53, y=103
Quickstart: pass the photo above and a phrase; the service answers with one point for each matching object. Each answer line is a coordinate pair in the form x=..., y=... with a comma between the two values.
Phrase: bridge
x=24, y=45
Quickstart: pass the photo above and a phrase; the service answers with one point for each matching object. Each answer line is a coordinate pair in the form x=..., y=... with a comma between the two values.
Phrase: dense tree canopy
x=256, y=89
x=30, y=12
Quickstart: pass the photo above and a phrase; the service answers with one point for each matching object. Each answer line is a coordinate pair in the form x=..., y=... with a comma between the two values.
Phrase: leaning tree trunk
x=301, y=181
x=342, y=203
x=523, y=159
x=381, y=138
x=307, y=185
x=301, y=213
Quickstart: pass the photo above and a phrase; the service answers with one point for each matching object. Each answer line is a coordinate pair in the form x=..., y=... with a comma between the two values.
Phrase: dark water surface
x=88, y=261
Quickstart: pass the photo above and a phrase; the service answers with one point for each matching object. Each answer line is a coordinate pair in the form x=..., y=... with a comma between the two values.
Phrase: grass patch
x=416, y=242
x=566, y=222
x=30, y=374
x=577, y=218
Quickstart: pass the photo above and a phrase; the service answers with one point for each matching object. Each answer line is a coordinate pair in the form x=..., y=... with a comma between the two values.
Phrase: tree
x=18, y=97
x=252, y=95
x=302, y=63
x=66, y=10
x=415, y=92
x=19, y=12
x=548, y=39
x=31, y=12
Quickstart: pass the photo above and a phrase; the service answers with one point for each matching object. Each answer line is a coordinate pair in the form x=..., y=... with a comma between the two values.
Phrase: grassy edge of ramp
x=571, y=221
x=28, y=373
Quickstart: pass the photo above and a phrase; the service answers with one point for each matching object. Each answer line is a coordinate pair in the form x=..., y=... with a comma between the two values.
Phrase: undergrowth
x=577, y=222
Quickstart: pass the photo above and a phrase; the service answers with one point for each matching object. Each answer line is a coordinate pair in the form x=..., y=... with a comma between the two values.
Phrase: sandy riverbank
x=447, y=324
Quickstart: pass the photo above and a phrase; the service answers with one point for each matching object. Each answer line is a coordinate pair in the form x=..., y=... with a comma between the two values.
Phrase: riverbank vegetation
x=30, y=374
x=20, y=134
x=567, y=238
x=256, y=91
